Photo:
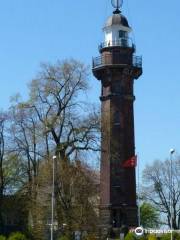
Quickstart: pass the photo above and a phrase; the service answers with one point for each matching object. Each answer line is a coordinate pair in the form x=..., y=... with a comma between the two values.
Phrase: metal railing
x=110, y=59
x=137, y=61
x=122, y=42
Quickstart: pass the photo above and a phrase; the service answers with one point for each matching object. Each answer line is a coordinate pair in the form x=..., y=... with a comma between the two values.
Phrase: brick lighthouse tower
x=116, y=68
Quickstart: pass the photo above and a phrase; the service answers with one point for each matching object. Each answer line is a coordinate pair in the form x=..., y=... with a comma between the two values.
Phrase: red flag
x=132, y=162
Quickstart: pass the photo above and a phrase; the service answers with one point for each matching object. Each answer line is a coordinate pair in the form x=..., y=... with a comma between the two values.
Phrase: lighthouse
x=116, y=68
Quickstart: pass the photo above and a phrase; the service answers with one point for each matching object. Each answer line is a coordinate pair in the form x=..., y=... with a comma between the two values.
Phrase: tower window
x=117, y=87
x=122, y=34
x=117, y=119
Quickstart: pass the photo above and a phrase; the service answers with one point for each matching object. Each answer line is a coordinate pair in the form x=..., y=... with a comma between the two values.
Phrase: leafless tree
x=31, y=145
x=157, y=189
x=56, y=97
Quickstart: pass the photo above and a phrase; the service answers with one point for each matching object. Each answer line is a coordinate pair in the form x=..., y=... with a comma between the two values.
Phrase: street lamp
x=52, y=197
x=139, y=209
x=172, y=151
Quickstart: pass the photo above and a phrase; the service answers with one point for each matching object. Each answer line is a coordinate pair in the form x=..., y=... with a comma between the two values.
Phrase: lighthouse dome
x=117, y=19
x=116, y=31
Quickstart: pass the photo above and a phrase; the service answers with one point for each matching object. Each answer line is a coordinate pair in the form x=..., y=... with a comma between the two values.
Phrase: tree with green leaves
x=56, y=120
x=149, y=216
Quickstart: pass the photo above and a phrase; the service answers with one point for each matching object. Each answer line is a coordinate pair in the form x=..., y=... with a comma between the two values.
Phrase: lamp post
x=52, y=197
x=139, y=209
x=172, y=151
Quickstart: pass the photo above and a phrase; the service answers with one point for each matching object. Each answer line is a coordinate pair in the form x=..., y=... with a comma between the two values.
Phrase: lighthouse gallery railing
x=108, y=59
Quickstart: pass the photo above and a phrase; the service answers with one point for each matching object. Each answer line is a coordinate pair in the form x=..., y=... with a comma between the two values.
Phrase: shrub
x=176, y=236
x=90, y=237
x=17, y=236
x=2, y=237
x=130, y=236
x=143, y=237
x=63, y=238
x=167, y=236
x=152, y=237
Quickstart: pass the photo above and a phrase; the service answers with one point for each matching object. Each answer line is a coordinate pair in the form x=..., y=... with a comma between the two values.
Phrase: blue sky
x=36, y=31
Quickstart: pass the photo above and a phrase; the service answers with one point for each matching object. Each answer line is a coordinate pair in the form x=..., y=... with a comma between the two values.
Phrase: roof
x=116, y=19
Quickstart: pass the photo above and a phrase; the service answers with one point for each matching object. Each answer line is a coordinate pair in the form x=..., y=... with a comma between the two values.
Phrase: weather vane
x=117, y=4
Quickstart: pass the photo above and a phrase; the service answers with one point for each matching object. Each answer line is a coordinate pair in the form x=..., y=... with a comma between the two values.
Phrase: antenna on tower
x=117, y=4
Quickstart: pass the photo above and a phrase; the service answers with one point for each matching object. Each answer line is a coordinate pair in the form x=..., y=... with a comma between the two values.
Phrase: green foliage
x=149, y=216
x=143, y=237
x=130, y=236
x=176, y=236
x=90, y=237
x=133, y=236
x=17, y=236
x=64, y=238
x=152, y=237
x=167, y=236
x=2, y=237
